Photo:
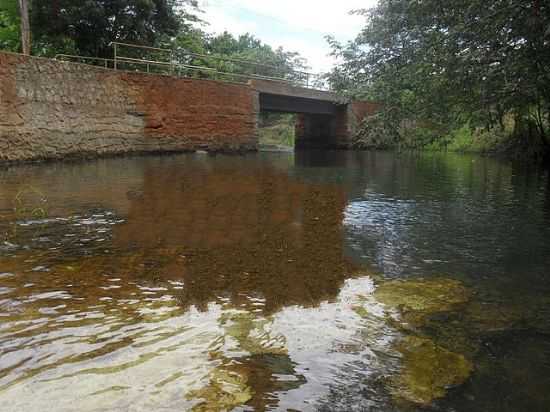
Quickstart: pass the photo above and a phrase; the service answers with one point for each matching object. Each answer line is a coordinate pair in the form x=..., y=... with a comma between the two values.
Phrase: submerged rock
x=427, y=371
x=526, y=313
x=417, y=299
x=227, y=389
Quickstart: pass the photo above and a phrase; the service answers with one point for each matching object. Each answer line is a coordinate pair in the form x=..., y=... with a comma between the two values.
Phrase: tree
x=88, y=27
x=241, y=51
x=10, y=38
x=455, y=62
x=25, y=27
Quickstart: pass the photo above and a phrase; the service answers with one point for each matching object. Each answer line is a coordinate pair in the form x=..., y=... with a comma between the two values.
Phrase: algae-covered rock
x=227, y=389
x=427, y=371
x=417, y=299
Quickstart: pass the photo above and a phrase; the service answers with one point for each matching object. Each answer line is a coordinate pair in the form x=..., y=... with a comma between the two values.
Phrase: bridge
x=88, y=106
x=325, y=119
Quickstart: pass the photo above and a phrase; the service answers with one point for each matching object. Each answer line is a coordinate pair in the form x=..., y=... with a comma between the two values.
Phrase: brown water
x=268, y=282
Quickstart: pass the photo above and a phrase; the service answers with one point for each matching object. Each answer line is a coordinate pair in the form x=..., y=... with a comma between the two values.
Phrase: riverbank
x=509, y=142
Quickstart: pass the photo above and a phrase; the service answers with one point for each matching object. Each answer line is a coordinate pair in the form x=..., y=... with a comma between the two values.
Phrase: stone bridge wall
x=51, y=109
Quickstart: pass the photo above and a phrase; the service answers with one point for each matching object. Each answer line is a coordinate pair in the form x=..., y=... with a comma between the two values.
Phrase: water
x=308, y=281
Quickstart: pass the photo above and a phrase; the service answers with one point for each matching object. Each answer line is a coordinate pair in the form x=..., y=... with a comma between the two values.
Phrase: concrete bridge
x=325, y=119
x=57, y=109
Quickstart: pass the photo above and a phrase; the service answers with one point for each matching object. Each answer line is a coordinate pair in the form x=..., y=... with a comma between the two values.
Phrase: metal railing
x=187, y=64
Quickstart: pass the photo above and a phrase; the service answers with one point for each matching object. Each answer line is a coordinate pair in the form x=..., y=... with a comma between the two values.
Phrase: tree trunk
x=25, y=27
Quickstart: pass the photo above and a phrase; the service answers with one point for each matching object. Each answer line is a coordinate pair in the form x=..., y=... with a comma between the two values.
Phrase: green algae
x=251, y=334
x=227, y=389
x=427, y=371
x=361, y=311
x=418, y=299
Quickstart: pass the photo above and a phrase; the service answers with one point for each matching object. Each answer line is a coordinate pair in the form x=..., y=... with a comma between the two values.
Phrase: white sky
x=297, y=25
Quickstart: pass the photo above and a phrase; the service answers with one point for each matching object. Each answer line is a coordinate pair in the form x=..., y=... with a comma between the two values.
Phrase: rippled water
x=250, y=283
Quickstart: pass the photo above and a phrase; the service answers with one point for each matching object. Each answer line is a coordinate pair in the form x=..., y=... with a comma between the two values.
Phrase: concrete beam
x=286, y=89
x=289, y=104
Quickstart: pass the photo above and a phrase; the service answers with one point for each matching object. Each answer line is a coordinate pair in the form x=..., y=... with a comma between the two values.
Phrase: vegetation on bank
x=277, y=130
x=466, y=75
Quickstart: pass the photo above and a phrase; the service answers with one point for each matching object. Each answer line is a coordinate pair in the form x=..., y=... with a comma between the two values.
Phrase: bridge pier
x=321, y=131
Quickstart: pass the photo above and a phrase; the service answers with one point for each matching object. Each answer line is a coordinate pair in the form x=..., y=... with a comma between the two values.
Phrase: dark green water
x=308, y=281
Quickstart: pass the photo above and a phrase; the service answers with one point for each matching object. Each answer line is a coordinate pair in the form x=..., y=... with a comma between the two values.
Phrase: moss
x=427, y=371
x=417, y=299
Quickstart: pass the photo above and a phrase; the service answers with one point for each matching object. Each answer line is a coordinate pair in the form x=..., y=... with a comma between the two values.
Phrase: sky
x=296, y=25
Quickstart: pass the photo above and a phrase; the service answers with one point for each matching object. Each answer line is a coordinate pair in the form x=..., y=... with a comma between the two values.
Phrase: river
x=331, y=281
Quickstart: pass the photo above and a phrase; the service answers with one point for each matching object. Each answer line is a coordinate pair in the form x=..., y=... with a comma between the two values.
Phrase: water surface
x=193, y=282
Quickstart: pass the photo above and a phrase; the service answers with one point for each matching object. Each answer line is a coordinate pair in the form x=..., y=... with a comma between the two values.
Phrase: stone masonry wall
x=51, y=109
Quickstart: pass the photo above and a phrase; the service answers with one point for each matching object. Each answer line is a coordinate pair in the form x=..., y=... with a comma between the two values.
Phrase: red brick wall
x=51, y=109
x=203, y=111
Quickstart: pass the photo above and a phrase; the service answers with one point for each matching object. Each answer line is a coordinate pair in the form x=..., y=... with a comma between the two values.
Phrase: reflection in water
x=199, y=283
x=211, y=287
x=242, y=234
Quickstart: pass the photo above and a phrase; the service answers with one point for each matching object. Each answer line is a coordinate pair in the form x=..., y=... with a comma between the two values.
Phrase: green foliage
x=450, y=64
x=9, y=25
x=377, y=132
x=463, y=139
x=277, y=130
x=87, y=27
x=242, y=50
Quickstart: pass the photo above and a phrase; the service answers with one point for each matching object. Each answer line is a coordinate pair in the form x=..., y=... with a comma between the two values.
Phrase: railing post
x=115, y=64
x=172, y=62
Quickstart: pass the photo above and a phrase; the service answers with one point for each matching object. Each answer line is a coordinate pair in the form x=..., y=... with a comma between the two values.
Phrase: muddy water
x=308, y=281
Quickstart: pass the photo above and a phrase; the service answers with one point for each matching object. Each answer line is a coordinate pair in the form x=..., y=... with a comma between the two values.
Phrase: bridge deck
x=284, y=97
